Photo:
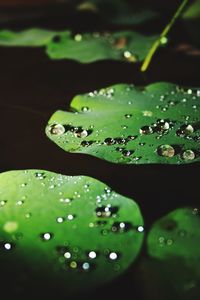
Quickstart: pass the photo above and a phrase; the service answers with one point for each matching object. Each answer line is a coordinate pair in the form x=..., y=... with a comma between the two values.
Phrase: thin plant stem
x=163, y=34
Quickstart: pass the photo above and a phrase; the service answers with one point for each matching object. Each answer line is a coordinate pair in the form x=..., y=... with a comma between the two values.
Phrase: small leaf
x=129, y=125
x=31, y=37
x=125, y=46
x=173, y=244
x=73, y=231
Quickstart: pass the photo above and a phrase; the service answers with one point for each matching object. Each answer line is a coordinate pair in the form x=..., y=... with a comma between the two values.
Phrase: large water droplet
x=166, y=151
x=146, y=130
x=185, y=130
x=81, y=133
x=188, y=155
x=57, y=129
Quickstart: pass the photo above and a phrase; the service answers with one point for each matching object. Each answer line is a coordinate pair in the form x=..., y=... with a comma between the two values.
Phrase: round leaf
x=126, y=46
x=173, y=243
x=72, y=231
x=124, y=124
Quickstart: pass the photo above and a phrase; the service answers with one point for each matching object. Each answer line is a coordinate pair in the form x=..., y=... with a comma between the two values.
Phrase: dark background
x=32, y=87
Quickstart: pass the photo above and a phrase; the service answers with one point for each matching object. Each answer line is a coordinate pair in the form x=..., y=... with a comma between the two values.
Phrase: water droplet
x=106, y=211
x=140, y=228
x=162, y=126
x=161, y=240
x=195, y=211
x=85, y=109
x=146, y=130
x=78, y=37
x=60, y=220
x=10, y=226
x=109, y=141
x=107, y=190
x=92, y=254
x=28, y=215
x=20, y=202
x=166, y=151
x=113, y=255
x=65, y=200
x=70, y=217
x=7, y=246
x=86, y=143
x=147, y=113
x=121, y=227
x=131, y=137
x=40, y=175
x=3, y=202
x=86, y=266
x=127, y=153
x=164, y=40
x=73, y=264
x=188, y=155
x=46, y=236
x=57, y=129
x=127, y=116
x=185, y=130
x=23, y=185
x=127, y=54
x=67, y=255
x=81, y=133
x=170, y=242
x=120, y=141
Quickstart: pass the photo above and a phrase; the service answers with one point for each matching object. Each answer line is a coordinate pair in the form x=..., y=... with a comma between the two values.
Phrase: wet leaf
x=173, y=245
x=30, y=37
x=74, y=232
x=126, y=46
x=124, y=124
x=88, y=47
x=118, y=12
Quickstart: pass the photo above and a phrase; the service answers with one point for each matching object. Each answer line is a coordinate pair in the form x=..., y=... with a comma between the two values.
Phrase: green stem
x=163, y=34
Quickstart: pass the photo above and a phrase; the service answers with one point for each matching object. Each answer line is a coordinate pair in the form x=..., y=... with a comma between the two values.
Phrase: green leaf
x=174, y=243
x=88, y=47
x=72, y=231
x=191, y=21
x=193, y=11
x=124, y=124
x=118, y=12
x=34, y=37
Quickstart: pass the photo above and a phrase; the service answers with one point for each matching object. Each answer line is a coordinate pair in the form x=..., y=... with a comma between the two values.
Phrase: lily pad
x=173, y=244
x=124, y=124
x=87, y=47
x=126, y=46
x=118, y=12
x=34, y=37
x=73, y=231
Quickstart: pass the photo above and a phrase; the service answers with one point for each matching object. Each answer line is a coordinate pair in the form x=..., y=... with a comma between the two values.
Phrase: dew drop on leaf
x=166, y=151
